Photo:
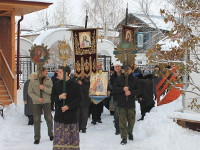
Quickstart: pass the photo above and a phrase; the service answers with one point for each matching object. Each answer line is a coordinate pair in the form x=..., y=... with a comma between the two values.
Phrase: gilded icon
x=85, y=39
x=39, y=54
x=98, y=84
x=128, y=35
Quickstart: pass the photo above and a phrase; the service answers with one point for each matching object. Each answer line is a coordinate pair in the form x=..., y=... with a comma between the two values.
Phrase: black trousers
x=146, y=109
x=83, y=116
x=97, y=110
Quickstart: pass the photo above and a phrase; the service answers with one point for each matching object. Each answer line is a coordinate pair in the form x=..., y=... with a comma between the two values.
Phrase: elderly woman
x=28, y=103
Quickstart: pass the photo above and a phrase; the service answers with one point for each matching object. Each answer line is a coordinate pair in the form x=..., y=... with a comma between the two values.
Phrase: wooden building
x=8, y=68
x=152, y=27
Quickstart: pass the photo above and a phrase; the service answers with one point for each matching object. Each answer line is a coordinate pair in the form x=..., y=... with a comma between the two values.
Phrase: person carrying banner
x=126, y=102
x=40, y=92
x=66, y=129
x=83, y=110
x=97, y=109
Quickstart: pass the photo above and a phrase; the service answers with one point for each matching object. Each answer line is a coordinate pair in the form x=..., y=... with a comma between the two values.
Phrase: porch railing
x=8, y=77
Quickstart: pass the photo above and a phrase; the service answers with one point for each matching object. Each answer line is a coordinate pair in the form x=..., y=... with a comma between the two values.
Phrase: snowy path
x=156, y=132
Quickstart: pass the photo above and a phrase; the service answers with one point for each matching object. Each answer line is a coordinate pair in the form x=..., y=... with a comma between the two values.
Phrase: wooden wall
x=6, y=38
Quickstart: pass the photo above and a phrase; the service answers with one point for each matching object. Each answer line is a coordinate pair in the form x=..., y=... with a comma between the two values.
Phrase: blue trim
x=137, y=40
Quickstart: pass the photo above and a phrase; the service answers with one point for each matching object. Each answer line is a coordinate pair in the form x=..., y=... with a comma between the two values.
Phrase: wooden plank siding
x=5, y=38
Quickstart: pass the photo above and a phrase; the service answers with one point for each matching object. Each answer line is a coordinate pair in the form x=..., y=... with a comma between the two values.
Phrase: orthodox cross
x=64, y=55
x=125, y=53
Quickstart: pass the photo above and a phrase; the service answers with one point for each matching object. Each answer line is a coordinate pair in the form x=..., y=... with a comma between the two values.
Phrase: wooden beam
x=186, y=123
x=25, y=4
x=23, y=8
x=13, y=41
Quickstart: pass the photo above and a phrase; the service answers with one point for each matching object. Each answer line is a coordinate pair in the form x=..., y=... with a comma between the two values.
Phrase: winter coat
x=28, y=108
x=34, y=91
x=118, y=89
x=157, y=77
x=112, y=80
x=146, y=92
x=73, y=91
x=85, y=101
x=54, y=79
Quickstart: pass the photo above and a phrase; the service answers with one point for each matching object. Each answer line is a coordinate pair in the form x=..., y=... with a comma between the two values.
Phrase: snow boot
x=130, y=136
x=51, y=138
x=124, y=141
x=36, y=141
x=117, y=132
x=30, y=120
x=99, y=121
x=142, y=118
x=83, y=130
x=93, y=122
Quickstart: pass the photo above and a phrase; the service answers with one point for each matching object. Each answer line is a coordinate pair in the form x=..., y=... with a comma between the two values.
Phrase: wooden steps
x=4, y=96
x=191, y=124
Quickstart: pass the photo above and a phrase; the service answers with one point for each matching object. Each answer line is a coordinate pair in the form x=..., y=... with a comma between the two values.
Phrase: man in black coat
x=117, y=72
x=97, y=109
x=126, y=102
x=146, y=98
x=54, y=78
x=83, y=110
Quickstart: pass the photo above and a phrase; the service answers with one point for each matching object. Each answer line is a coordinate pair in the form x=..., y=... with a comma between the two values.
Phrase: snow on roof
x=104, y=40
x=109, y=33
x=46, y=33
x=44, y=1
x=167, y=44
x=25, y=39
x=134, y=26
x=29, y=33
x=158, y=20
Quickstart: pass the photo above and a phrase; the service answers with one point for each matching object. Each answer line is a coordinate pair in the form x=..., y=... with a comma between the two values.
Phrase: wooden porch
x=8, y=83
x=9, y=72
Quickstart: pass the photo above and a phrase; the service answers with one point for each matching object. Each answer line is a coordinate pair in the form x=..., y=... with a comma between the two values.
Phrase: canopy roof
x=22, y=7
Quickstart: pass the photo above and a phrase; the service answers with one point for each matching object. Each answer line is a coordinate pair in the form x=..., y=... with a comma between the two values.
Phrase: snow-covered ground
x=156, y=132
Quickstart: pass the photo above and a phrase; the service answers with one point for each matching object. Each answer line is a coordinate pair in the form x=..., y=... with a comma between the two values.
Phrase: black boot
x=30, y=120
x=51, y=138
x=130, y=136
x=142, y=118
x=99, y=121
x=83, y=130
x=117, y=132
x=36, y=141
x=124, y=141
x=93, y=122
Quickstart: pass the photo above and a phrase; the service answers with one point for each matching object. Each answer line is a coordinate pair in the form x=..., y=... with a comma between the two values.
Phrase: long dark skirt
x=66, y=136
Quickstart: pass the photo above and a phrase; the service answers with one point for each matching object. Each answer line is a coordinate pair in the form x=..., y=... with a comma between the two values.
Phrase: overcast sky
x=78, y=14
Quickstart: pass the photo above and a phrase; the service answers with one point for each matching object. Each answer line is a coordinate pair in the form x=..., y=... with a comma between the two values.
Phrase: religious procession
x=122, y=81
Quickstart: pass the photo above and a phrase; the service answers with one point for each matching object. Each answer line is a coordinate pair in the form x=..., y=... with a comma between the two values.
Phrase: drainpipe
x=18, y=49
